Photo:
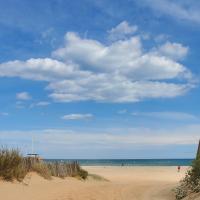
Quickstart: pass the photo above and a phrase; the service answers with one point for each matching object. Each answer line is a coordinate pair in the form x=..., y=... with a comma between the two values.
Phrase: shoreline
x=134, y=166
x=127, y=162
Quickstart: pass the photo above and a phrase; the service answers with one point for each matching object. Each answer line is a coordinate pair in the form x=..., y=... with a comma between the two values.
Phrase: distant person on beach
x=179, y=168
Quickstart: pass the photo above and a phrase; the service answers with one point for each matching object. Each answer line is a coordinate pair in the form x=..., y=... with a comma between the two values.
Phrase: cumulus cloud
x=44, y=69
x=175, y=51
x=77, y=116
x=23, y=96
x=123, y=71
x=117, y=90
x=121, y=31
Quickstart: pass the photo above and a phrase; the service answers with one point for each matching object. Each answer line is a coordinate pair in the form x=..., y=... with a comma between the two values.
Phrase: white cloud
x=117, y=90
x=77, y=116
x=175, y=51
x=95, y=56
x=167, y=115
x=121, y=31
x=23, y=96
x=44, y=69
x=181, y=10
x=123, y=71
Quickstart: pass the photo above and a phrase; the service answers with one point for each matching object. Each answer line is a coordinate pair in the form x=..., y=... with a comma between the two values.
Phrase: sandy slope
x=126, y=183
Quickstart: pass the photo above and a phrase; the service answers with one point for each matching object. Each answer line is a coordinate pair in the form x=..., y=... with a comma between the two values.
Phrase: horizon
x=110, y=80
x=119, y=158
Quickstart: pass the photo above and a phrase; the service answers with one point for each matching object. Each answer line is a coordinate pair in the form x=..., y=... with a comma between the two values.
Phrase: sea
x=127, y=162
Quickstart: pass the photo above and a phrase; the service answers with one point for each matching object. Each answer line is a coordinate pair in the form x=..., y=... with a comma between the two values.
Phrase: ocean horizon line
x=127, y=162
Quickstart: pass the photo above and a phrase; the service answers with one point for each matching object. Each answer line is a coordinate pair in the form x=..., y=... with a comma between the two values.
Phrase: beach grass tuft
x=62, y=170
x=11, y=165
x=14, y=166
x=42, y=169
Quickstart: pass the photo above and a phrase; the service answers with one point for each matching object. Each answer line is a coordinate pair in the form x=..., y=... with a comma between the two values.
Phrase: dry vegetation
x=13, y=166
x=97, y=177
x=191, y=183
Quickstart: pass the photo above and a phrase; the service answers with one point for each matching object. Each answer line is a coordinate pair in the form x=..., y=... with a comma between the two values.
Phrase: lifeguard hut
x=32, y=157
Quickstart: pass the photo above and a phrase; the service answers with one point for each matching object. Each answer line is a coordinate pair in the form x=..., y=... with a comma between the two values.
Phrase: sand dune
x=125, y=183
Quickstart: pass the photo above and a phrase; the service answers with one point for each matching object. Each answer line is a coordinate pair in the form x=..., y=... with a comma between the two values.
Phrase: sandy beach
x=125, y=183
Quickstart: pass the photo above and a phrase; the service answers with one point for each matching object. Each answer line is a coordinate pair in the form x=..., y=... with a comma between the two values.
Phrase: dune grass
x=62, y=170
x=13, y=166
x=42, y=169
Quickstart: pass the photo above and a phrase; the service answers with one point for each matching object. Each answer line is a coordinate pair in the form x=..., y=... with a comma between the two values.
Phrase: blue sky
x=100, y=79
